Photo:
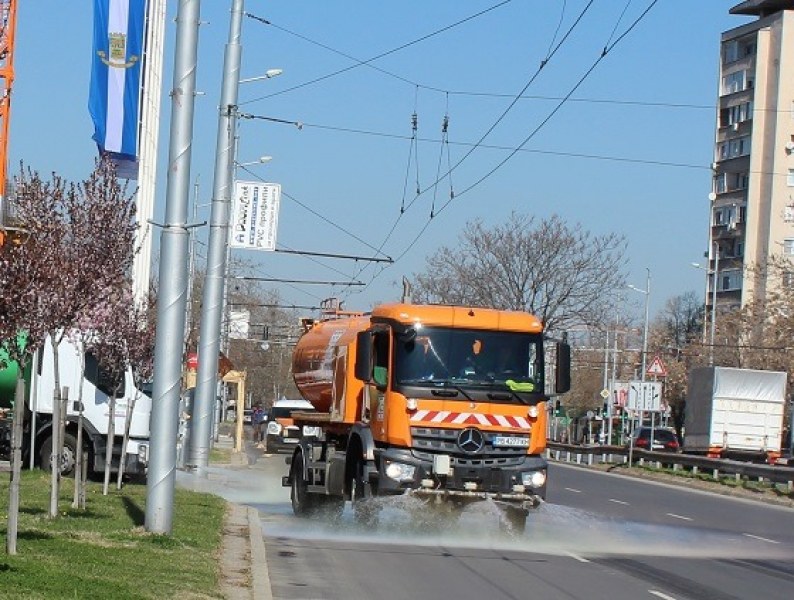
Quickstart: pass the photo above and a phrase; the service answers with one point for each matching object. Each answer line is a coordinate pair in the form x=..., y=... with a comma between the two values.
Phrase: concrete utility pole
x=172, y=297
x=215, y=282
x=714, y=284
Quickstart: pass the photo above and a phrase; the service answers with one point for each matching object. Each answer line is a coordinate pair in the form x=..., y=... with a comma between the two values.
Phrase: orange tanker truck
x=447, y=403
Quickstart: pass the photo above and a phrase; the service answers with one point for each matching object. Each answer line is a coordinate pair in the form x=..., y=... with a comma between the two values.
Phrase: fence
x=715, y=466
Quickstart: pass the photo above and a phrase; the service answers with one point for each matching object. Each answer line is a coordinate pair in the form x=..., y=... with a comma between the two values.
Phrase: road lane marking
x=758, y=537
x=661, y=595
x=618, y=501
x=574, y=490
x=581, y=559
x=675, y=516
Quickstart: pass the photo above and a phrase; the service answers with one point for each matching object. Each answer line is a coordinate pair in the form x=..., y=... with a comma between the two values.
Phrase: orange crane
x=8, y=21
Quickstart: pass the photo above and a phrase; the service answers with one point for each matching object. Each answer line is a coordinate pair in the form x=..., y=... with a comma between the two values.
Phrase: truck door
x=381, y=344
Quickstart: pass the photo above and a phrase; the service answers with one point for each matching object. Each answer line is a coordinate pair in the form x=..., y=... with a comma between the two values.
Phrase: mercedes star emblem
x=471, y=440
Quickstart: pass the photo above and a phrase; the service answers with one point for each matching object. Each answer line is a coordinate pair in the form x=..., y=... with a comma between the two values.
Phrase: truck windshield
x=497, y=359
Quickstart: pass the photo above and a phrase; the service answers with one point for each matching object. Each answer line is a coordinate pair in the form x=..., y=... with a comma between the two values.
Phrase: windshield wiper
x=510, y=395
x=448, y=387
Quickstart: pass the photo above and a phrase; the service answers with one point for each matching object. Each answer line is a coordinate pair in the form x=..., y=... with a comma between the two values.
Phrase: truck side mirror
x=562, y=370
x=363, y=369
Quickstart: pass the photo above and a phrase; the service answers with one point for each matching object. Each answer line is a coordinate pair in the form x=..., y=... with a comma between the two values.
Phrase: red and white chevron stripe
x=453, y=418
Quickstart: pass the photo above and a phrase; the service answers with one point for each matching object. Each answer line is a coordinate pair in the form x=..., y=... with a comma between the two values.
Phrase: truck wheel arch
x=360, y=449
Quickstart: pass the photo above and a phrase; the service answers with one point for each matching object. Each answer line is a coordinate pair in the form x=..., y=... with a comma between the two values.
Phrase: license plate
x=512, y=441
x=291, y=440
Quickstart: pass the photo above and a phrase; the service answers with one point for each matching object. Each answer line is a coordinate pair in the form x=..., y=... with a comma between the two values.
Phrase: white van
x=282, y=433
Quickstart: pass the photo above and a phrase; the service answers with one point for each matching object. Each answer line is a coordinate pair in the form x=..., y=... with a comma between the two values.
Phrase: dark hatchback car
x=664, y=440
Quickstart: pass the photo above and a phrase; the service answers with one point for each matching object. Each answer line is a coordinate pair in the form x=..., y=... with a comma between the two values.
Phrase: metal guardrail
x=716, y=466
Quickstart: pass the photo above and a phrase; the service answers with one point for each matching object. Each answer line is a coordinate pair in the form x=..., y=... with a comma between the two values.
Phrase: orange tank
x=315, y=355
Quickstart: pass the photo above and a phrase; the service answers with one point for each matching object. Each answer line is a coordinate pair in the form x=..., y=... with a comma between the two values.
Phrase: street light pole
x=714, y=284
x=647, y=292
x=214, y=283
x=161, y=477
x=645, y=331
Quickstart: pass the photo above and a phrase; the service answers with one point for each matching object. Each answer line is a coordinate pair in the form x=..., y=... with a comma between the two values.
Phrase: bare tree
x=559, y=272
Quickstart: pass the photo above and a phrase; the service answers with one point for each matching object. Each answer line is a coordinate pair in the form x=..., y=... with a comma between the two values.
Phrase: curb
x=260, y=576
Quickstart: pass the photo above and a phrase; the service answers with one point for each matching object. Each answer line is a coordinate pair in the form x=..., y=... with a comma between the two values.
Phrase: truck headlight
x=534, y=479
x=273, y=428
x=400, y=472
x=143, y=453
x=309, y=431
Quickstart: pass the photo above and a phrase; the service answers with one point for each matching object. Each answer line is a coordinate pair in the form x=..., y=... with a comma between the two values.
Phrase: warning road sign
x=657, y=367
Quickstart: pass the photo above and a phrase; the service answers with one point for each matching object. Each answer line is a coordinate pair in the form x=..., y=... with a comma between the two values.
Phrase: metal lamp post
x=217, y=251
x=647, y=292
x=214, y=283
x=714, y=284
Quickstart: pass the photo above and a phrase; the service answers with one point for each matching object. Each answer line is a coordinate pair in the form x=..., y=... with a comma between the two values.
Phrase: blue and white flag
x=116, y=75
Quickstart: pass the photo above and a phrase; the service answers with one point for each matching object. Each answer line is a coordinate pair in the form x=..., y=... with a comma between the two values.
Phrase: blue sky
x=629, y=152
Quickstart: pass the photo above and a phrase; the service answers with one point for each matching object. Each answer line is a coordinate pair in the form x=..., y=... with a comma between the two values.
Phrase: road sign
x=657, y=367
x=605, y=393
x=645, y=396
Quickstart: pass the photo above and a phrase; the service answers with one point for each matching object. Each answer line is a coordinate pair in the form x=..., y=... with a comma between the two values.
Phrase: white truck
x=734, y=413
x=96, y=410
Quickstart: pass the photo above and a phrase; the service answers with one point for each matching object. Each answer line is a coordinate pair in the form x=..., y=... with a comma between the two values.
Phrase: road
x=599, y=536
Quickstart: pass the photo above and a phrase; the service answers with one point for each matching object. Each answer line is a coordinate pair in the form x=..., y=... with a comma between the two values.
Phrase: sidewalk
x=243, y=559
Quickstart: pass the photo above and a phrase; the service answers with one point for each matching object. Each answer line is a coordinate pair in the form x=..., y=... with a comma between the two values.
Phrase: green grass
x=730, y=481
x=221, y=455
x=104, y=551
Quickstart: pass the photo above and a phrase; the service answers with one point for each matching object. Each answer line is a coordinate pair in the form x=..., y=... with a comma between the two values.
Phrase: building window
x=734, y=82
x=718, y=217
x=735, y=114
x=730, y=281
x=742, y=181
x=788, y=247
x=720, y=183
x=730, y=51
x=788, y=279
x=788, y=213
x=790, y=179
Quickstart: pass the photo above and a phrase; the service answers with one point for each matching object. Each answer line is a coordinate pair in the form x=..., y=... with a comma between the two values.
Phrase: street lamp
x=260, y=161
x=269, y=74
x=714, y=282
x=647, y=292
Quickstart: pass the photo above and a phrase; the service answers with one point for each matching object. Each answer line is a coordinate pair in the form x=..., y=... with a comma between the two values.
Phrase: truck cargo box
x=730, y=409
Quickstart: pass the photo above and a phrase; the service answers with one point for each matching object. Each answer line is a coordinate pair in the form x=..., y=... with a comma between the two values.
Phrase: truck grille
x=428, y=441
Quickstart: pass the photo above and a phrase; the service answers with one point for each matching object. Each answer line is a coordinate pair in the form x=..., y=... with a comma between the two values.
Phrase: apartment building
x=752, y=200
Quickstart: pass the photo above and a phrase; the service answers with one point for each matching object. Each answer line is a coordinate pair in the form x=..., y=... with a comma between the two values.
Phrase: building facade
x=752, y=199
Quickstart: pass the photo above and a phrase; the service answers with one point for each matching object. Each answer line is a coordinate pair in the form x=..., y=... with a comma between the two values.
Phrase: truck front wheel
x=68, y=458
x=514, y=520
x=303, y=503
x=365, y=509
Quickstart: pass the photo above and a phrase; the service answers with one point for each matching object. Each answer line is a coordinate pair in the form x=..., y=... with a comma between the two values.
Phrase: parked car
x=664, y=440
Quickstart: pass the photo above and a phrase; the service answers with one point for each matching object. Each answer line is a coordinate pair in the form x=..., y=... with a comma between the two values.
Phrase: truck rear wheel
x=68, y=458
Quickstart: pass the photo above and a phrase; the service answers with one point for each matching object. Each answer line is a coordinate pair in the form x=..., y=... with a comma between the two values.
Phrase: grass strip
x=104, y=550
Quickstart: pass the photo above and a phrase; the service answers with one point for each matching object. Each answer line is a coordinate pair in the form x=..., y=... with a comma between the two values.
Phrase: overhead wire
x=317, y=214
x=313, y=259
x=607, y=48
x=501, y=117
x=360, y=63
